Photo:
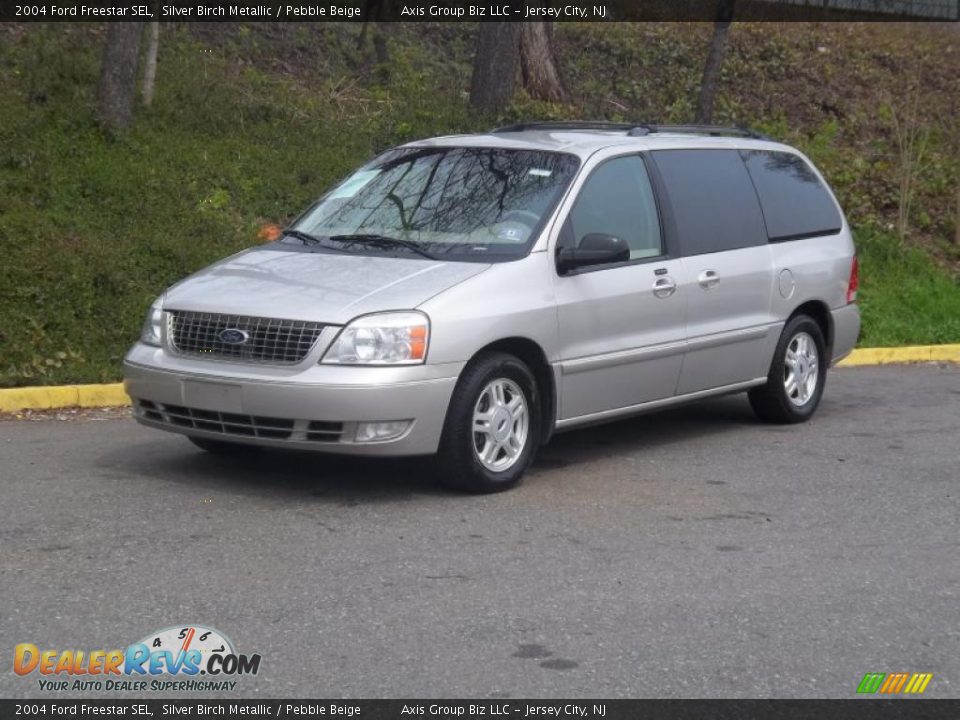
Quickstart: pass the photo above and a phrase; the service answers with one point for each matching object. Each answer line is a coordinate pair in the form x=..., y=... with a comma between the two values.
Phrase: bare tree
x=150, y=63
x=912, y=137
x=495, y=65
x=118, y=74
x=537, y=63
x=956, y=235
x=711, y=70
x=952, y=131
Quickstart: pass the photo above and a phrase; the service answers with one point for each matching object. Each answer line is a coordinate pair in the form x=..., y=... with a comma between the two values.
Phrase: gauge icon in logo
x=179, y=640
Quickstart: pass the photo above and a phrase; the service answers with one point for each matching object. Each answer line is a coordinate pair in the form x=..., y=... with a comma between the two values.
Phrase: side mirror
x=594, y=249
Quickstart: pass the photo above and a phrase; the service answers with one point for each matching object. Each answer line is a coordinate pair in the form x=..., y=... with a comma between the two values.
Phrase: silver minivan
x=470, y=296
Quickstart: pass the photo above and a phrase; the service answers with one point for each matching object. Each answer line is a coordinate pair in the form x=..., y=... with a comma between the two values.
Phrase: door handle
x=664, y=287
x=708, y=279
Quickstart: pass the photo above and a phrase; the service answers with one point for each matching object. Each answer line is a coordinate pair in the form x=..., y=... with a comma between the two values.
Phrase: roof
x=586, y=139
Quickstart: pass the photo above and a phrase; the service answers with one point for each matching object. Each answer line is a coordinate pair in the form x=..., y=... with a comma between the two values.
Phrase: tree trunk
x=150, y=65
x=495, y=66
x=956, y=234
x=381, y=49
x=371, y=13
x=118, y=74
x=540, y=76
x=374, y=16
x=711, y=70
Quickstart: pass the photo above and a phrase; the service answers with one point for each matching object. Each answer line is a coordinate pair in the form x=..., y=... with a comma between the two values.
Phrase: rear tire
x=492, y=428
x=224, y=448
x=797, y=375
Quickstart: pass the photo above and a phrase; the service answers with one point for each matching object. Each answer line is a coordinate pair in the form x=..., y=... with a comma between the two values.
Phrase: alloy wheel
x=501, y=422
x=801, y=369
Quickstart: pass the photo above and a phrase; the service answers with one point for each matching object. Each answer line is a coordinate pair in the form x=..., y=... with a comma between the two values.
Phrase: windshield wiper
x=308, y=239
x=383, y=241
x=305, y=238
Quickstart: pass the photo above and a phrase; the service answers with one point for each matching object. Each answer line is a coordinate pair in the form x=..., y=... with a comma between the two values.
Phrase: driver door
x=621, y=325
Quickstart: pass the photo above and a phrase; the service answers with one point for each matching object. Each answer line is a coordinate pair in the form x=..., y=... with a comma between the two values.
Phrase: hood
x=331, y=288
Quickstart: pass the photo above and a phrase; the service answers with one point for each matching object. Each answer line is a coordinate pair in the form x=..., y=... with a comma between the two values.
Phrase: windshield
x=458, y=203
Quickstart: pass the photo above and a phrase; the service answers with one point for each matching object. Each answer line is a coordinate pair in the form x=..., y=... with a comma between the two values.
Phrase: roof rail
x=633, y=129
x=567, y=125
x=714, y=130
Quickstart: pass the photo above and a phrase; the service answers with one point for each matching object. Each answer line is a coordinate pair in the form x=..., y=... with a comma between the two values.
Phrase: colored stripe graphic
x=918, y=683
x=894, y=683
x=871, y=682
x=889, y=683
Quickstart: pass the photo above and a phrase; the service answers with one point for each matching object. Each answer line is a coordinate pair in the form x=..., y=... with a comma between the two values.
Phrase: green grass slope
x=251, y=123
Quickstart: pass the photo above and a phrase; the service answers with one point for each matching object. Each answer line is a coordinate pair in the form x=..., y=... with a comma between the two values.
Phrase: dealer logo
x=174, y=658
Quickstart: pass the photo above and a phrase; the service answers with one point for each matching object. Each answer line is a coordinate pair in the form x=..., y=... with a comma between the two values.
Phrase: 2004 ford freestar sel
x=469, y=296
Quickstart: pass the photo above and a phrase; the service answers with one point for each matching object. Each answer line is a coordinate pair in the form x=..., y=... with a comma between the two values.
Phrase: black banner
x=478, y=11
x=854, y=709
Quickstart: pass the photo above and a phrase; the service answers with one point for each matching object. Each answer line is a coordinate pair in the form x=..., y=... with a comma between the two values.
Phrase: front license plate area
x=212, y=396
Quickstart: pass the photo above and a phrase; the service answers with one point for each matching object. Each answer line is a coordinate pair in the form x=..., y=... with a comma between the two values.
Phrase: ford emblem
x=233, y=336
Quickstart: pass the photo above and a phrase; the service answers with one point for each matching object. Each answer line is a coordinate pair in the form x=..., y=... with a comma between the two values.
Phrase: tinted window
x=795, y=203
x=714, y=204
x=617, y=200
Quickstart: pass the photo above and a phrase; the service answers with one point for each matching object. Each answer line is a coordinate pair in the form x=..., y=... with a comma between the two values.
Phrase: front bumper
x=317, y=408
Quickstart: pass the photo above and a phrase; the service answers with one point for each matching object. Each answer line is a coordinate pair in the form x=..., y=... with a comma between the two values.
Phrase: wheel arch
x=530, y=352
x=820, y=312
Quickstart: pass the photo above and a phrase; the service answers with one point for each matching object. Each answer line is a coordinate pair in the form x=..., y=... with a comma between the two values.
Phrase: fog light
x=378, y=431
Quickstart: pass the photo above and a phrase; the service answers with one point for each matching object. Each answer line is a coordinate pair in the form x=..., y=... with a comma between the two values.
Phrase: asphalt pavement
x=691, y=553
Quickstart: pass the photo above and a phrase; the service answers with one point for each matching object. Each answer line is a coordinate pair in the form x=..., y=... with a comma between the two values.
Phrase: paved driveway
x=690, y=553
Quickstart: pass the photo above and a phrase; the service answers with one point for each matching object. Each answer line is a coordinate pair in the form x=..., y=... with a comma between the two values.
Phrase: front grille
x=324, y=431
x=254, y=426
x=265, y=340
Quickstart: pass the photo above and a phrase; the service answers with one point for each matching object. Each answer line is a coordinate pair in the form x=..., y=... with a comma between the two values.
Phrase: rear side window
x=714, y=204
x=795, y=203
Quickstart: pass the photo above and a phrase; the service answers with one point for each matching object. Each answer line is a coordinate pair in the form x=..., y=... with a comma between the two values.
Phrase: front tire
x=492, y=428
x=797, y=375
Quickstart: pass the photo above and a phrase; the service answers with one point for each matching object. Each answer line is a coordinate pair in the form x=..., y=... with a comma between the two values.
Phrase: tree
x=118, y=74
x=495, y=66
x=375, y=14
x=912, y=137
x=150, y=63
x=711, y=70
x=537, y=64
x=956, y=232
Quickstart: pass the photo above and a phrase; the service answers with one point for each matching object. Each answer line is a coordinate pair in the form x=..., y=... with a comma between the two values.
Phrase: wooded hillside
x=249, y=123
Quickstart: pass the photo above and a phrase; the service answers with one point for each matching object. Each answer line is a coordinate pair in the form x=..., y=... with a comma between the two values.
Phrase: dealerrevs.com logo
x=180, y=658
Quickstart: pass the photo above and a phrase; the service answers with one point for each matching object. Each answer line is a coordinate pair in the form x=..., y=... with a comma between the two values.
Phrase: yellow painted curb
x=912, y=354
x=62, y=396
x=111, y=395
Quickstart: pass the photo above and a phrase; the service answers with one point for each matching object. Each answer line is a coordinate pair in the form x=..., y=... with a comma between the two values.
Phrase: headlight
x=150, y=334
x=395, y=338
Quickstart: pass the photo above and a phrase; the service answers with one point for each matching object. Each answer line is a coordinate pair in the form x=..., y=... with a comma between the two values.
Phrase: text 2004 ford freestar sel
x=469, y=296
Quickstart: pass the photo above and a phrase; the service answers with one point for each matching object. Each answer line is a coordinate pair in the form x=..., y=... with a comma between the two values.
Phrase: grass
x=905, y=299
x=93, y=227
x=249, y=127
